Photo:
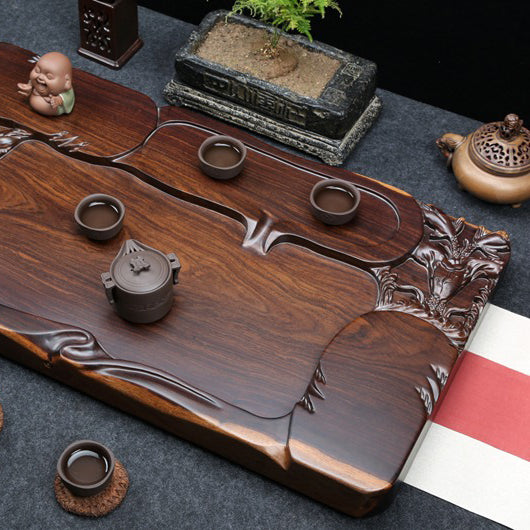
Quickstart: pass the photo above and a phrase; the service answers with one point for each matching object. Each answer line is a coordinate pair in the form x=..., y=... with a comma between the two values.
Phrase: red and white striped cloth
x=476, y=452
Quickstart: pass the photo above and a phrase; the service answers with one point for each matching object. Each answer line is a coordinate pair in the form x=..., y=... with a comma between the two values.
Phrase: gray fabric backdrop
x=175, y=484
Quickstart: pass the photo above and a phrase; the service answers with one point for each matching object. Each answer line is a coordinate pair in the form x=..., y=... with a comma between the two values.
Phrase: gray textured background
x=175, y=484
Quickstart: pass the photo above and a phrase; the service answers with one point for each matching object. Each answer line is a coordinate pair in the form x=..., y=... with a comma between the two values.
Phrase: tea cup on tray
x=222, y=157
x=334, y=201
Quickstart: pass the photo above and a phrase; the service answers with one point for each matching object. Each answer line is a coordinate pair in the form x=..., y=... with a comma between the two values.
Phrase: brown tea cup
x=334, y=201
x=99, y=216
x=86, y=467
x=222, y=157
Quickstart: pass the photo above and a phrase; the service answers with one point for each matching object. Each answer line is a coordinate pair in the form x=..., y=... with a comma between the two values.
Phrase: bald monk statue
x=49, y=88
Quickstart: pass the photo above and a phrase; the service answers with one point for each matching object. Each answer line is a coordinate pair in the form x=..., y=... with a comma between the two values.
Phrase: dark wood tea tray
x=308, y=353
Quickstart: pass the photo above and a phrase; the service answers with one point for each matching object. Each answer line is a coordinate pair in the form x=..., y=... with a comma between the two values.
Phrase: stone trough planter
x=328, y=126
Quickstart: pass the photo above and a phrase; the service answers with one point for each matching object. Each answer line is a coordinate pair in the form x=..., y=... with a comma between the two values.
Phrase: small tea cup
x=99, y=216
x=86, y=467
x=222, y=157
x=334, y=201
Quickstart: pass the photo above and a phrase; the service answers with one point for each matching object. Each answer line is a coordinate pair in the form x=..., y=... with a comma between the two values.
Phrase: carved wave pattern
x=64, y=142
x=429, y=395
x=313, y=389
x=10, y=137
x=80, y=346
x=452, y=262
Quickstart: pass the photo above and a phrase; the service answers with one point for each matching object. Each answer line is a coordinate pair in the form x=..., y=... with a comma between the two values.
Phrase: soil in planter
x=241, y=48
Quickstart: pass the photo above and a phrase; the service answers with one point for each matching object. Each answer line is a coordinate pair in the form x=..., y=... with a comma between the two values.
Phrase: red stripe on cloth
x=488, y=402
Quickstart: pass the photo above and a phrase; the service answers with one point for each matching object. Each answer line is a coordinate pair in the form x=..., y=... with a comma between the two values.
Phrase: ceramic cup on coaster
x=86, y=467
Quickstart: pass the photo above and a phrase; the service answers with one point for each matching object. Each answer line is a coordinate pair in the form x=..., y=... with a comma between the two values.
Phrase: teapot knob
x=511, y=127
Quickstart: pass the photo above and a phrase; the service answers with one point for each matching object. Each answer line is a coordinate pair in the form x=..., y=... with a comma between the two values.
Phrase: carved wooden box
x=308, y=353
x=109, y=31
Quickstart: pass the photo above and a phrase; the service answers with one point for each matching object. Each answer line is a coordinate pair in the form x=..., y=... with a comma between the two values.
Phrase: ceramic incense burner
x=492, y=163
x=334, y=201
x=140, y=282
x=86, y=467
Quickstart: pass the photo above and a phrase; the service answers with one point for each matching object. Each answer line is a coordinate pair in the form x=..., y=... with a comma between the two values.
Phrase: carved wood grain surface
x=310, y=354
x=276, y=210
x=222, y=331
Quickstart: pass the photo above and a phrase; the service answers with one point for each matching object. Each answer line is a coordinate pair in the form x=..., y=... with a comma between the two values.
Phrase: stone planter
x=328, y=126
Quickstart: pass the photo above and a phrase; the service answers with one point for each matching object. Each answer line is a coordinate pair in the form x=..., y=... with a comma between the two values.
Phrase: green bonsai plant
x=286, y=15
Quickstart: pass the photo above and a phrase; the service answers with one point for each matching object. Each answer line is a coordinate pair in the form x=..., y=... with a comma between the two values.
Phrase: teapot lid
x=502, y=147
x=139, y=268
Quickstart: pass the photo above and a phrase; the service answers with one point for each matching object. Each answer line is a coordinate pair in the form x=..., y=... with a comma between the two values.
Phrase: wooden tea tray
x=308, y=353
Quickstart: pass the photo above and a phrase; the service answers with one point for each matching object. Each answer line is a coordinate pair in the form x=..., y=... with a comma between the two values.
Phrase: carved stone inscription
x=256, y=99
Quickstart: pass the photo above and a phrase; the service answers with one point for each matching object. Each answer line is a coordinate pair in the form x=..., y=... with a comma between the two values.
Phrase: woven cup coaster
x=97, y=505
x=1, y=417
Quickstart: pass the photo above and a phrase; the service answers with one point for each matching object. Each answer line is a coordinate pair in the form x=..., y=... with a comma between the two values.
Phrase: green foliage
x=288, y=15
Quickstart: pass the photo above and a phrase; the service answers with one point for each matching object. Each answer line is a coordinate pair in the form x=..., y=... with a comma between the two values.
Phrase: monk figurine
x=49, y=88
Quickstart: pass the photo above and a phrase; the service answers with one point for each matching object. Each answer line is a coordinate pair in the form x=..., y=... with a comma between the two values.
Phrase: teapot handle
x=109, y=285
x=448, y=144
x=175, y=267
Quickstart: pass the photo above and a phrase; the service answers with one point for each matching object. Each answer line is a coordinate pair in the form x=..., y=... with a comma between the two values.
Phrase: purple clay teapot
x=140, y=282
